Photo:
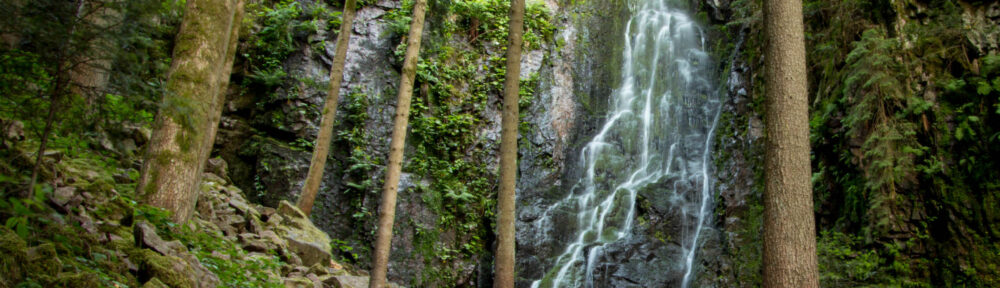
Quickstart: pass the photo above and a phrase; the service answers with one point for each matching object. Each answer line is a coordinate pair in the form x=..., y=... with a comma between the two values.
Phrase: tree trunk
x=504, y=269
x=185, y=125
x=322, y=146
x=54, y=97
x=789, y=230
x=387, y=213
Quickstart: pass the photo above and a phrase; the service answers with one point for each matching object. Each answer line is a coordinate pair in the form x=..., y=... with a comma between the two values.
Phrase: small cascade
x=657, y=135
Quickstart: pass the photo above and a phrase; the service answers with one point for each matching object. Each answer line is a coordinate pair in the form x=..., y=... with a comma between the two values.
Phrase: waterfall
x=656, y=135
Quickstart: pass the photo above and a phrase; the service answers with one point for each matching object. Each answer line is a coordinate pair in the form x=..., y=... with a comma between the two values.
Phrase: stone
x=146, y=237
x=122, y=178
x=78, y=280
x=288, y=210
x=298, y=282
x=168, y=269
x=154, y=283
x=179, y=269
x=12, y=130
x=255, y=246
x=308, y=242
x=44, y=260
x=347, y=281
x=218, y=167
x=318, y=269
x=66, y=197
x=240, y=205
x=272, y=237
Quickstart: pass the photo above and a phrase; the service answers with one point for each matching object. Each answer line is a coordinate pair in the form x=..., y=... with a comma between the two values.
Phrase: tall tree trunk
x=176, y=153
x=789, y=230
x=322, y=146
x=504, y=268
x=387, y=213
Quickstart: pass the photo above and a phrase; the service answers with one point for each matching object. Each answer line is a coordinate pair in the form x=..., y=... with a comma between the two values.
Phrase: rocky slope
x=85, y=233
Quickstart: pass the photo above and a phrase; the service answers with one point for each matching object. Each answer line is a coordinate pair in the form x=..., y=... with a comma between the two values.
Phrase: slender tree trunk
x=789, y=230
x=504, y=277
x=387, y=213
x=322, y=146
x=54, y=99
x=176, y=152
x=61, y=83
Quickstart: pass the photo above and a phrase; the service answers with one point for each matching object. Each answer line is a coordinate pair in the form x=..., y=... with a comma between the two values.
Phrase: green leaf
x=983, y=88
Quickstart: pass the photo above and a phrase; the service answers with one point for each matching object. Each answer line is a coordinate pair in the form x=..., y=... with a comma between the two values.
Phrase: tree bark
x=789, y=229
x=176, y=153
x=322, y=146
x=504, y=268
x=387, y=212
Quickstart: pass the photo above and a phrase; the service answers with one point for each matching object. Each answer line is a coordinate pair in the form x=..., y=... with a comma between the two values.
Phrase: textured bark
x=789, y=229
x=176, y=153
x=322, y=146
x=387, y=212
x=504, y=265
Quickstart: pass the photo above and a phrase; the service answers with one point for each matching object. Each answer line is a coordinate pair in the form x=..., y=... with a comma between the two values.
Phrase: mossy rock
x=77, y=280
x=43, y=260
x=13, y=252
x=155, y=283
x=169, y=270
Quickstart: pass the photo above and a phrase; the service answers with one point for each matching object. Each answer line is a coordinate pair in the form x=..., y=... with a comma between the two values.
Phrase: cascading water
x=657, y=135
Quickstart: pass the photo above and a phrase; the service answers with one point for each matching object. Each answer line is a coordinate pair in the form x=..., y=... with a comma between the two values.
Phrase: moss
x=154, y=283
x=77, y=280
x=153, y=265
x=43, y=259
x=12, y=256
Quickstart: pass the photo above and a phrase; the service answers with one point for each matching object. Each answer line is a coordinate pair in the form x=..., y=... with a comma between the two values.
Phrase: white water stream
x=659, y=130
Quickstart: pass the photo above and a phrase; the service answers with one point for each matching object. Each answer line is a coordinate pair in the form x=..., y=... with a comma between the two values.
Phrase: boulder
x=218, y=167
x=146, y=237
x=154, y=283
x=169, y=261
x=347, y=281
x=308, y=242
x=298, y=282
x=44, y=260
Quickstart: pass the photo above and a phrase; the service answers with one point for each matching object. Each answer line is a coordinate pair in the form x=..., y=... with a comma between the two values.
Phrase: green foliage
x=22, y=212
x=275, y=29
x=36, y=69
x=902, y=121
x=841, y=266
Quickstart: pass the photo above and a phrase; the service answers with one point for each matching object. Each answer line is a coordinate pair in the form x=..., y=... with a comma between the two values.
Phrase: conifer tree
x=789, y=230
